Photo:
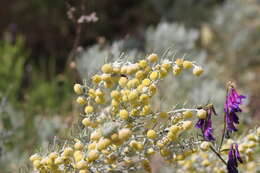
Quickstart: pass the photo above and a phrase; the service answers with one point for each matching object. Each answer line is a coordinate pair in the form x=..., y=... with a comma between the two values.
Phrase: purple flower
x=233, y=156
x=231, y=108
x=206, y=127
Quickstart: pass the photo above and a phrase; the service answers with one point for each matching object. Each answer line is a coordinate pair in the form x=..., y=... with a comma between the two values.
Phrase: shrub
x=121, y=128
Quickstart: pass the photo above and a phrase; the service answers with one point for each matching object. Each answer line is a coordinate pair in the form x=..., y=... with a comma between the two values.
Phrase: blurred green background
x=45, y=48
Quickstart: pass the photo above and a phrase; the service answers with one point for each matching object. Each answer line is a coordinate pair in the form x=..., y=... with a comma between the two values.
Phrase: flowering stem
x=224, y=129
x=219, y=156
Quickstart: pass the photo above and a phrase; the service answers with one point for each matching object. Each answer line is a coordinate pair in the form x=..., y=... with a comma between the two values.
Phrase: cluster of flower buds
x=122, y=129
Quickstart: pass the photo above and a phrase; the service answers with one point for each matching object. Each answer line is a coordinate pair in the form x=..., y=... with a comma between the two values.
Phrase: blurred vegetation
x=35, y=91
x=24, y=111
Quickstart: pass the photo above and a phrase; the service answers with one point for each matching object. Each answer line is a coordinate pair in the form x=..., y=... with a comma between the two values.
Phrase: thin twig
x=223, y=135
x=219, y=156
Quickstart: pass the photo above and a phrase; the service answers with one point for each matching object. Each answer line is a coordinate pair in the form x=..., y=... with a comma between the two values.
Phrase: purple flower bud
x=233, y=156
x=206, y=127
x=233, y=100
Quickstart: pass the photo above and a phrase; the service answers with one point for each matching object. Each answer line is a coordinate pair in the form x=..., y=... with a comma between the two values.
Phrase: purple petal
x=231, y=164
x=237, y=154
x=200, y=123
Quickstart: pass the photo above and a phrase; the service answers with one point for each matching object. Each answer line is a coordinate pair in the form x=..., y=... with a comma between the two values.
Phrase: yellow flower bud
x=187, y=64
x=115, y=94
x=92, y=146
x=78, y=89
x=160, y=144
x=176, y=70
x=187, y=114
x=108, y=84
x=123, y=114
x=179, y=157
x=103, y=143
x=146, y=82
x=187, y=125
x=92, y=93
x=163, y=72
x=179, y=62
x=152, y=89
x=82, y=164
x=154, y=75
x=152, y=58
x=251, y=137
x=78, y=146
x=114, y=137
x=166, y=65
x=201, y=114
x=81, y=100
x=197, y=71
x=67, y=151
x=124, y=134
x=92, y=155
x=205, y=145
x=163, y=114
x=53, y=155
x=59, y=161
x=147, y=109
x=171, y=136
x=107, y=68
x=139, y=74
x=136, y=145
x=86, y=122
x=142, y=63
x=122, y=81
x=37, y=164
x=114, y=103
x=99, y=100
x=96, y=79
x=151, y=134
x=78, y=155
x=89, y=109
x=205, y=163
x=150, y=151
x=35, y=157
x=174, y=129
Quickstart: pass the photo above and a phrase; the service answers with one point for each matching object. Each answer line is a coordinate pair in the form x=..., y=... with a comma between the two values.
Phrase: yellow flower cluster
x=122, y=128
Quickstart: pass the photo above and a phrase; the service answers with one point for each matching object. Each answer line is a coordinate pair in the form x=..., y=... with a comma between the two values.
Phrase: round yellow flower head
x=176, y=70
x=81, y=100
x=89, y=109
x=107, y=68
x=179, y=62
x=197, y=71
x=123, y=114
x=124, y=134
x=187, y=64
x=154, y=75
x=122, y=81
x=205, y=145
x=187, y=114
x=201, y=114
x=142, y=63
x=151, y=134
x=152, y=58
x=92, y=155
x=78, y=89
x=96, y=79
